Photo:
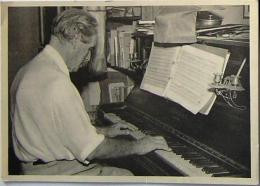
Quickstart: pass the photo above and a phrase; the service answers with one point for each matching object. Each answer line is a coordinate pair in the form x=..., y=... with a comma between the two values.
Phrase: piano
x=213, y=145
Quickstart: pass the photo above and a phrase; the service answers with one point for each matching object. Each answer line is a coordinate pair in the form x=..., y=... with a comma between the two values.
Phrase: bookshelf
x=122, y=54
x=124, y=20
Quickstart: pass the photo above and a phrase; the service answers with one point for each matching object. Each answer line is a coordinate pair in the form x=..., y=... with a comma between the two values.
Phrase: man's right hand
x=151, y=143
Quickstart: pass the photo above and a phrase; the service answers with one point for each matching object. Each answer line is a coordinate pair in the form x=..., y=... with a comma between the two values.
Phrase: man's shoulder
x=43, y=68
x=60, y=85
x=39, y=64
x=42, y=74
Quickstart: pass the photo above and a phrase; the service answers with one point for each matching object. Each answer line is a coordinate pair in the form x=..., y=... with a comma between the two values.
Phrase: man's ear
x=75, y=42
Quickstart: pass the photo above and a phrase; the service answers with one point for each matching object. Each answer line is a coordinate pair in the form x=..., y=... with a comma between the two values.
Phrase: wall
x=231, y=14
x=23, y=38
x=23, y=45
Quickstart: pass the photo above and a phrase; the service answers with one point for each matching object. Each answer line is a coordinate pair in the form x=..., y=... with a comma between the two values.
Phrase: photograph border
x=254, y=86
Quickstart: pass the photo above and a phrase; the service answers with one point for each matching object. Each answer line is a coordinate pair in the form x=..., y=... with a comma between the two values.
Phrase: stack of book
x=146, y=27
x=121, y=46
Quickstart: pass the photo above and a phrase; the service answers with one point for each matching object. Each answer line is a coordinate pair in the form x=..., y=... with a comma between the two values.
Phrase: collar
x=58, y=60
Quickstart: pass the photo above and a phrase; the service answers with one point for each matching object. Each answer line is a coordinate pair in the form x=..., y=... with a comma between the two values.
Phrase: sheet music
x=159, y=69
x=190, y=81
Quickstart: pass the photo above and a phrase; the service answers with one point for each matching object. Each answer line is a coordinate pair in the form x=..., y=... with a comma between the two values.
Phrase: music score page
x=183, y=74
x=190, y=80
x=158, y=71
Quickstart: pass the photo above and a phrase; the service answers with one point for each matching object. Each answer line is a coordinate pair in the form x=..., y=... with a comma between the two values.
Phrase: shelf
x=203, y=39
x=214, y=40
x=124, y=19
x=136, y=76
x=141, y=34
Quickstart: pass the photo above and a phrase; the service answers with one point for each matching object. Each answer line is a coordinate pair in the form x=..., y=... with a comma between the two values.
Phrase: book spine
x=127, y=45
x=112, y=47
x=116, y=50
x=119, y=57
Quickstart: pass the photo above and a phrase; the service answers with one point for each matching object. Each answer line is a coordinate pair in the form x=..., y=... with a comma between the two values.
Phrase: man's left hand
x=118, y=129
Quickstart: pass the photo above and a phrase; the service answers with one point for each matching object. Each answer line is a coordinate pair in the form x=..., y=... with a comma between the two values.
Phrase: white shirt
x=48, y=116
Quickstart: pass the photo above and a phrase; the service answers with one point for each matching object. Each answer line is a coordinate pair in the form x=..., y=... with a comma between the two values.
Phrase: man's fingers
x=161, y=143
x=159, y=137
x=119, y=126
x=132, y=126
x=125, y=125
x=129, y=125
x=164, y=148
x=137, y=134
x=123, y=132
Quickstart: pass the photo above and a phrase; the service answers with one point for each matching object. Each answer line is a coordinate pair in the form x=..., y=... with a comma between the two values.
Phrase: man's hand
x=114, y=148
x=150, y=143
x=124, y=125
x=118, y=129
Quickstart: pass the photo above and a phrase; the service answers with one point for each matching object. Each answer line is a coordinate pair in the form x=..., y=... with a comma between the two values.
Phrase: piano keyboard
x=184, y=159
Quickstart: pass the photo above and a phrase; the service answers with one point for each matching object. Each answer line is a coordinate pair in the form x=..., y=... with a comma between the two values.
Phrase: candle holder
x=228, y=87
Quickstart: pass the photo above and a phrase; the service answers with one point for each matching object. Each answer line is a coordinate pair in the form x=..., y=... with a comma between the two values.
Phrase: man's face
x=82, y=53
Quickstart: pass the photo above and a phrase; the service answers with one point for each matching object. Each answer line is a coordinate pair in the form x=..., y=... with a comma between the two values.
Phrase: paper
x=189, y=85
x=183, y=74
x=159, y=69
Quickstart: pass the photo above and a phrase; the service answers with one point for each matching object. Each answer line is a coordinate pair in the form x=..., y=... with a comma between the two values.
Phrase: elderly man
x=52, y=133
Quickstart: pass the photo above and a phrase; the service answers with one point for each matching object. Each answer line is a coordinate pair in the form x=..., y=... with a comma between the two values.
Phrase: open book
x=183, y=74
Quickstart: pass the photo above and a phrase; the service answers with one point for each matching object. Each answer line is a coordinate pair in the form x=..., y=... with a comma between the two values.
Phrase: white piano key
x=174, y=160
x=183, y=166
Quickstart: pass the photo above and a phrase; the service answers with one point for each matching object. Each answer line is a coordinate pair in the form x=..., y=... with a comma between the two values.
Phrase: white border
x=253, y=84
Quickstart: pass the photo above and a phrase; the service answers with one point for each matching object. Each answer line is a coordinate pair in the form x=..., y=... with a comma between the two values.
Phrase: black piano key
x=195, y=160
x=190, y=153
x=178, y=145
x=205, y=163
x=177, y=148
x=219, y=169
x=199, y=158
x=190, y=156
x=200, y=163
x=173, y=142
x=180, y=151
x=212, y=170
x=211, y=166
x=222, y=174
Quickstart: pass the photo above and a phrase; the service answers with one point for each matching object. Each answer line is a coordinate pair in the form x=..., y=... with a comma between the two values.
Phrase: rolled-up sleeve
x=72, y=122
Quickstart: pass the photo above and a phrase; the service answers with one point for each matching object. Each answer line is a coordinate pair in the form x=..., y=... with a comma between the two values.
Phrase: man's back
x=37, y=94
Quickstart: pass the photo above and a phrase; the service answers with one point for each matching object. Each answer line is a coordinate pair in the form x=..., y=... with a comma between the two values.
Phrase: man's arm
x=113, y=148
x=119, y=129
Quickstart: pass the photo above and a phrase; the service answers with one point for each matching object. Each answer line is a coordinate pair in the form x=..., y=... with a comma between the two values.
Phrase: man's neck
x=61, y=47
